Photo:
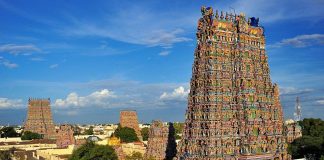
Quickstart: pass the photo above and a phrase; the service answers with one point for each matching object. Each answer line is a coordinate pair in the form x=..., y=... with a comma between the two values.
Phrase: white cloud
x=320, y=102
x=6, y=103
x=164, y=53
x=293, y=90
x=301, y=41
x=37, y=59
x=145, y=27
x=53, y=66
x=7, y=63
x=15, y=49
x=178, y=94
x=97, y=98
x=131, y=94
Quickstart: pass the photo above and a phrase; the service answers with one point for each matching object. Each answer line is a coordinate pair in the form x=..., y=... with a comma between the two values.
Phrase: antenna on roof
x=297, y=113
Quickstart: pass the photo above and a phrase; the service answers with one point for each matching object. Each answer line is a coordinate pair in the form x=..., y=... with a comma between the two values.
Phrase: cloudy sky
x=94, y=59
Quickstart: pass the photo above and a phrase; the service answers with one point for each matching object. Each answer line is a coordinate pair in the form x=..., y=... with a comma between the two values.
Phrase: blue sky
x=94, y=59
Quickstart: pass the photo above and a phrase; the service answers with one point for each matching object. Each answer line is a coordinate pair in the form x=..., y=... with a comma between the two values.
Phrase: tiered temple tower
x=128, y=118
x=64, y=136
x=161, y=143
x=39, y=118
x=157, y=141
x=234, y=110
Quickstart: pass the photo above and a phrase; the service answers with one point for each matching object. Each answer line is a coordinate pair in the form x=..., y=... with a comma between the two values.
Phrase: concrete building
x=55, y=153
x=129, y=148
x=29, y=145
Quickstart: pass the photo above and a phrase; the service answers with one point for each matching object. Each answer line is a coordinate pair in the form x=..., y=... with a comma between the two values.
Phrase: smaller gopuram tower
x=157, y=141
x=39, y=118
x=128, y=118
x=64, y=136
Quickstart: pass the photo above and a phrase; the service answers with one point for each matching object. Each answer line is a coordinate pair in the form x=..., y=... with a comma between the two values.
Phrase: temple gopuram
x=157, y=141
x=128, y=118
x=39, y=118
x=234, y=111
x=64, y=136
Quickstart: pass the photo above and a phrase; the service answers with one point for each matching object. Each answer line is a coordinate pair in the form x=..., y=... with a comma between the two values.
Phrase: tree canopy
x=89, y=131
x=135, y=156
x=311, y=144
x=5, y=155
x=28, y=135
x=126, y=134
x=91, y=151
x=178, y=126
x=312, y=127
x=8, y=132
x=145, y=133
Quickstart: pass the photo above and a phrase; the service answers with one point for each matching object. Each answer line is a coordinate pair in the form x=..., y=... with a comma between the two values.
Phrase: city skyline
x=137, y=56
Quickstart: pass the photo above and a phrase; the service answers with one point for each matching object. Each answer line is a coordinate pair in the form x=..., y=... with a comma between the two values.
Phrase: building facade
x=39, y=118
x=234, y=111
x=128, y=118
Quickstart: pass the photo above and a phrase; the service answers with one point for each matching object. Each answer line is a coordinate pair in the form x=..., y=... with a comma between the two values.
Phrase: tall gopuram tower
x=39, y=118
x=128, y=118
x=234, y=110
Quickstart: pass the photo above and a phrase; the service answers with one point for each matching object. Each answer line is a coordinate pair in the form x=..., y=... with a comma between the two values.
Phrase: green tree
x=135, y=156
x=8, y=132
x=322, y=157
x=91, y=151
x=178, y=126
x=149, y=158
x=89, y=131
x=76, y=130
x=145, y=133
x=312, y=127
x=311, y=144
x=28, y=135
x=7, y=154
x=126, y=134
